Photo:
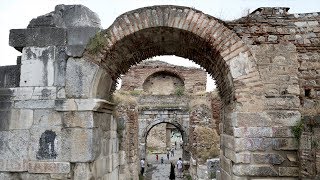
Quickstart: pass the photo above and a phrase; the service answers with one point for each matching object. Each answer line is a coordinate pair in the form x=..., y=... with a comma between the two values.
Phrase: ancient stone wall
x=127, y=131
x=204, y=138
x=286, y=47
x=266, y=67
x=194, y=78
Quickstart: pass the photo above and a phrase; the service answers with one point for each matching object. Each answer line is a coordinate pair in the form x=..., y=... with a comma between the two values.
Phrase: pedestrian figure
x=175, y=145
x=172, y=152
x=161, y=160
x=142, y=166
x=168, y=154
x=179, y=167
x=172, y=173
x=157, y=157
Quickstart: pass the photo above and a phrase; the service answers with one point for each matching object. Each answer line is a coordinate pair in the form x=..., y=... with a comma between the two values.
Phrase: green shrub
x=96, y=43
x=297, y=130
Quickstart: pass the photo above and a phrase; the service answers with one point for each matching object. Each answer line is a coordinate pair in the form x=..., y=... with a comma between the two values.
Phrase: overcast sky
x=16, y=14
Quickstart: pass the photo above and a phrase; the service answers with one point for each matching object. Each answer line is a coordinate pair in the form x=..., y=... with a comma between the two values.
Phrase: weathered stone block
x=267, y=158
x=99, y=105
x=21, y=119
x=254, y=170
x=82, y=171
x=47, y=118
x=35, y=104
x=240, y=157
x=48, y=167
x=282, y=132
x=225, y=163
x=82, y=119
x=288, y=171
x=57, y=144
x=80, y=75
x=252, y=132
x=284, y=144
x=252, y=144
x=40, y=65
x=14, y=150
x=80, y=35
x=84, y=144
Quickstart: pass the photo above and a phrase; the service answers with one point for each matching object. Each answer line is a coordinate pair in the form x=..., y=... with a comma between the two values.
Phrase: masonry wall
x=194, y=79
x=286, y=47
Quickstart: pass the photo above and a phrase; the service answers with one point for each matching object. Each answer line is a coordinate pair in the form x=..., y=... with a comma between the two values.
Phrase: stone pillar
x=168, y=138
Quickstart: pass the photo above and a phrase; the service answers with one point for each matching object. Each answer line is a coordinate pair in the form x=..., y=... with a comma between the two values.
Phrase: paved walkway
x=158, y=171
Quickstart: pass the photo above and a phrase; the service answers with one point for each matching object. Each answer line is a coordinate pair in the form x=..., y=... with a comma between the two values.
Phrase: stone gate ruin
x=56, y=111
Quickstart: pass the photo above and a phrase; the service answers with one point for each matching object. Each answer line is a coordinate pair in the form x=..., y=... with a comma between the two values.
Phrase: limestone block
x=82, y=171
x=238, y=157
x=305, y=142
x=291, y=102
x=29, y=176
x=115, y=160
x=252, y=132
x=80, y=75
x=225, y=163
x=84, y=144
x=48, y=167
x=83, y=119
x=282, y=132
x=288, y=171
x=122, y=158
x=39, y=37
x=42, y=66
x=21, y=119
x=267, y=158
x=285, y=144
x=5, y=176
x=225, y=175
x=47, y=143
x=254, y=170
x=107, y=147
x=99, y=105
x=272, y=38
x=35, y=104
x=47, y=118
x=14, y=150
x=265, y=119
x=252, y=144
x=103, y=165
x=240, y=65
x=57, y=144
x=80, y=35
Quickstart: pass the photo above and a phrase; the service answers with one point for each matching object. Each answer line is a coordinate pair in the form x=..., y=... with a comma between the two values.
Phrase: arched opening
x=190, y=34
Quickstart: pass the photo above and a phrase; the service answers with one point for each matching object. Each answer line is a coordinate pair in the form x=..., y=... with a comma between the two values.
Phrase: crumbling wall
x=204, y=138
x=286, y=47
x=126, y=114
x=194, y=78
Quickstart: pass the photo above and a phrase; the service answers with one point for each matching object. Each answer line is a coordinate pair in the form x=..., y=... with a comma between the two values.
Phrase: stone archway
x=145, y=131
x=72, y=88
x=191, y=34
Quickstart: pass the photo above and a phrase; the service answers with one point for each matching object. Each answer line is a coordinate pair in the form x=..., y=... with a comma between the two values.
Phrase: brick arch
x=185, y=32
